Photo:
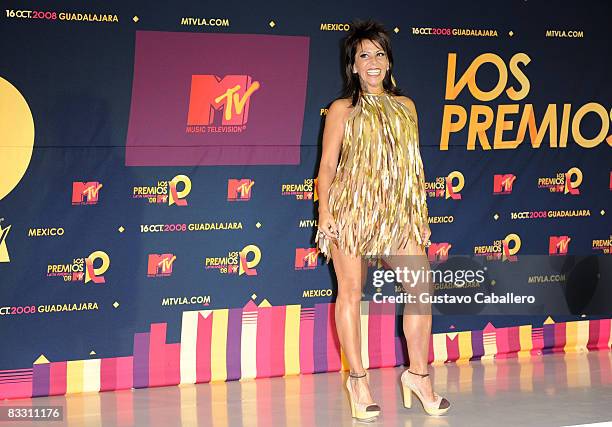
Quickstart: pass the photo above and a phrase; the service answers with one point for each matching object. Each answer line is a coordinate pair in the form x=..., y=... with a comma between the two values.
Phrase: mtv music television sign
x=217, y=99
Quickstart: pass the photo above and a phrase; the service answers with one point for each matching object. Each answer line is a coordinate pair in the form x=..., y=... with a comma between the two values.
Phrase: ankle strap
x=420, y=375
x=353, y=375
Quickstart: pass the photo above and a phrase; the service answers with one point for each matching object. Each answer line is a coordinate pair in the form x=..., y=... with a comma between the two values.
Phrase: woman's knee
x=349, y=290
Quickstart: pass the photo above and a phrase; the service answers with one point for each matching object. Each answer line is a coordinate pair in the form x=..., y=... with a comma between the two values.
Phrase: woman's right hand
x=327, y=225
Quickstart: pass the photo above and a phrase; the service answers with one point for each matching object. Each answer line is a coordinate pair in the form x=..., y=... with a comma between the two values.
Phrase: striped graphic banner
x=259, y=341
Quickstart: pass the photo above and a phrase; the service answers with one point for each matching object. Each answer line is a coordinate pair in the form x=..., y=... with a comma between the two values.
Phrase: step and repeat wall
x=158, y=192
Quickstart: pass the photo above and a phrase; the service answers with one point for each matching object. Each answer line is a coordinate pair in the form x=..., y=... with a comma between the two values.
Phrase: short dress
x=377, y=197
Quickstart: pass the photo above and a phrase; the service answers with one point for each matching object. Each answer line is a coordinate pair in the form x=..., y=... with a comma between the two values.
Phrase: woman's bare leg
x=351, y=273
x=417, y=316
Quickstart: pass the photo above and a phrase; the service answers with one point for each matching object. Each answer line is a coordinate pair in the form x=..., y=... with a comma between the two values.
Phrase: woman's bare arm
x=333, y=133
x=410, y=104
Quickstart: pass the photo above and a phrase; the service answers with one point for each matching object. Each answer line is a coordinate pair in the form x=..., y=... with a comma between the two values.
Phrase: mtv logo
x=227, y=97
x=305, y=258
x=239, y=189
x=160, y=265
x=85, y=193
x=558, y=245
x=438, y=252
x=502, y=184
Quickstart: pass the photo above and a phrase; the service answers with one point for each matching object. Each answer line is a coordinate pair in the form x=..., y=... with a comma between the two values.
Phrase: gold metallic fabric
x=377, y=197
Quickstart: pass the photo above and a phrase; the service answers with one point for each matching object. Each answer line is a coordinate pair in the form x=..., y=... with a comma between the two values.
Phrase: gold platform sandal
x=361, y=411
x=438, y=407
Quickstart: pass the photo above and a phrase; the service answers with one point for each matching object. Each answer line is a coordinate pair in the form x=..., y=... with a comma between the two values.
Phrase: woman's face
x=372, y=64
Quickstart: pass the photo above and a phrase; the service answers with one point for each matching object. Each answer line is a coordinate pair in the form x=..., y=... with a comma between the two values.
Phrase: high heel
x=361, y=411
x=438, y=407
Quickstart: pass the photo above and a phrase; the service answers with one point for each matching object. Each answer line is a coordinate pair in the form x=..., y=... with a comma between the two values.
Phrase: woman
x=372, y=202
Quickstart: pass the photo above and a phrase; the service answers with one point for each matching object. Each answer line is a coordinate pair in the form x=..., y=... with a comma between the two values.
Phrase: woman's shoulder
x=341, y=107
x=341, y=103
x=409, y=103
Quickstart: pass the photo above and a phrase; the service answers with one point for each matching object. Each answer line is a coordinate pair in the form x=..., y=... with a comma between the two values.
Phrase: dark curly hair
x=365, y=30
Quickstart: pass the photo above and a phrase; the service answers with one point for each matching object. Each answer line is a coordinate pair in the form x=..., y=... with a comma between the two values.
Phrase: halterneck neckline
x=383, y=93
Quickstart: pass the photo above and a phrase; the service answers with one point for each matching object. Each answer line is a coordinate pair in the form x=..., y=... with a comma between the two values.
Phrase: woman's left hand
x=426, y=234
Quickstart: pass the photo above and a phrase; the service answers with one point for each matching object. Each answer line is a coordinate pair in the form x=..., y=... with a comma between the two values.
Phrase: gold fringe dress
x=377, y=197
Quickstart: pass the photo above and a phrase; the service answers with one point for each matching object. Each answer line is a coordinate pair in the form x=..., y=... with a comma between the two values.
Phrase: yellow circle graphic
x=16, y=137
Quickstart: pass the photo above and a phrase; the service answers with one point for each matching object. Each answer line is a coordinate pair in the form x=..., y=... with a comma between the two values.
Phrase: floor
x=550, y=390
